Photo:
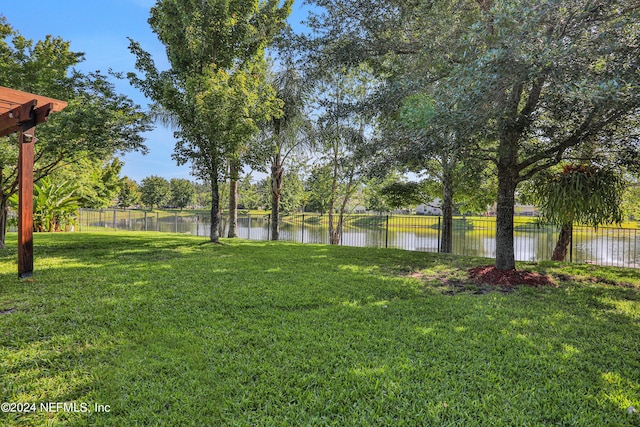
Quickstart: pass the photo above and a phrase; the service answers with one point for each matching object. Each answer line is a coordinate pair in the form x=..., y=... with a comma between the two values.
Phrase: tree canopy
x=215, y=88
x=530, y=82
x=97, y=123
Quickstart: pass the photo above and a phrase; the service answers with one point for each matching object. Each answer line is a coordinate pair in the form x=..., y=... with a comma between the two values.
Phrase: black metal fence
x=472, y=236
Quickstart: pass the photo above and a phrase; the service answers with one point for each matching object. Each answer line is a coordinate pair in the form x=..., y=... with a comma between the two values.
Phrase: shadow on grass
x=166, y=330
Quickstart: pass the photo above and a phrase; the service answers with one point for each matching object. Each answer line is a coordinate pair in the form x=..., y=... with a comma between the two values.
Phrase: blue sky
x=100, y=30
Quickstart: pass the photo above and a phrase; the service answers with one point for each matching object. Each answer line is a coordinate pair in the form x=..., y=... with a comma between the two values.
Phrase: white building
x=431, y=208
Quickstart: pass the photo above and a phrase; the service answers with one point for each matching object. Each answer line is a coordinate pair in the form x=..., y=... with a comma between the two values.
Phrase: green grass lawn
x=166, y=330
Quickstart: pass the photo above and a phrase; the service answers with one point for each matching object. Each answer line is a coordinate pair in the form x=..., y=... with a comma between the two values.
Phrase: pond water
x=605, y=246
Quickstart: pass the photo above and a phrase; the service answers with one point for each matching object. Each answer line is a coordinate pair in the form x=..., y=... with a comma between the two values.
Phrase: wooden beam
x=25, y=202
x=18, y=97
x=41, y=114
x=24, y=115
x=10, y=120
x=21, y=112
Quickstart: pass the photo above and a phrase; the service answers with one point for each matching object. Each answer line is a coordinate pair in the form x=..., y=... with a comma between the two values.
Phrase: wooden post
x=25, y=202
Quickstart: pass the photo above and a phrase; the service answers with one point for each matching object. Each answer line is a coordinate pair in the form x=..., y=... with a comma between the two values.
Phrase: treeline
x=301, y=192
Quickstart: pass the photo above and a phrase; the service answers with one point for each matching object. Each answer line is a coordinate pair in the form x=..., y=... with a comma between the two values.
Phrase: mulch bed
x=489, y=275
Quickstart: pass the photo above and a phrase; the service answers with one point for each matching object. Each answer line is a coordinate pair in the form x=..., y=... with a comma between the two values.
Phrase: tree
x=215, y=89
x=586, y=194
x=129, y=194
x=182, y=193
x=318, y=188
x=403, y=194
x=97, y=123
x=98, y=181
x=631, y=198
x=531, y=81
x=155, y=191
x=292, y=195
x=422, y=142
x=283, y=135
x=249, y=194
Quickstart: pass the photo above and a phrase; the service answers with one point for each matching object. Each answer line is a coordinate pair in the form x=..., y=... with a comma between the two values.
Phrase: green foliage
x=98, y=182
x=293, y=194
x=182, y=193
x=54, y=204
x=239, y=334
x=155, y=191
x=97, y=123
x=417, y=111
x=523, y=85
x=215, y=90
x=318, y=188
x=404, y=194
x=249, y=194
x=129, y=194
x=586, y=194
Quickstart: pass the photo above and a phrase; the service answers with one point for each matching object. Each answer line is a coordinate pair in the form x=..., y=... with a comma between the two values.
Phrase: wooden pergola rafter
x=21, y=112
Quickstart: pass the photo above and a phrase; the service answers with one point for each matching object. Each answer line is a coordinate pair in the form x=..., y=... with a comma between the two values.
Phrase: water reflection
x=605, y=246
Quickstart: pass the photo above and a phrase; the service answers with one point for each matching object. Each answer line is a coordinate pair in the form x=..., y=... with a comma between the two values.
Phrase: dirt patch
x=489, y=275
x=453, y=283
x=7, y=311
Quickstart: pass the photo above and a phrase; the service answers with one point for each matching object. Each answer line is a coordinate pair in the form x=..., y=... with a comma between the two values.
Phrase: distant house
x=429, y=208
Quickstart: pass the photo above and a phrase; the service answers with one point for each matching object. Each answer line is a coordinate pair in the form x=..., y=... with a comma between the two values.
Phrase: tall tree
x=283, y=135
x=155, y=191
x=531, y=80
x=182, y=192
x=129, y=194
x=422, y=142
x=97, y=123
x=215, y=88
x=341, y=136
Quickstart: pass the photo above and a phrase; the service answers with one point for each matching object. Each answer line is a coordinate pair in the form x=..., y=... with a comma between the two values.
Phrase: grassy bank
x=161, y=329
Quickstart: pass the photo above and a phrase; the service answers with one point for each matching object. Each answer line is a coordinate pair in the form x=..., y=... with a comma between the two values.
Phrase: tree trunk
x=334, y=232
x=562, y=245
x=505, y=255
x=334, y=235
x=214, y=236
x=4, y=213
x=446, y=243
x=277, y=172
x=234, y=171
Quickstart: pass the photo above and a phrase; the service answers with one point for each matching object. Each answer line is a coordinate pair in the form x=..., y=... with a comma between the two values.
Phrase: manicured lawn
x=166, y=330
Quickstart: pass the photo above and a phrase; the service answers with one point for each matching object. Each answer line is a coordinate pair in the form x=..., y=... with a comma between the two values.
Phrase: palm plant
x=587, y=194
x=283, y=135
x=54, y=205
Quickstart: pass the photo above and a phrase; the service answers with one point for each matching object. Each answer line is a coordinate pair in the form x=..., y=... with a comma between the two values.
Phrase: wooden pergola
x=21, y=112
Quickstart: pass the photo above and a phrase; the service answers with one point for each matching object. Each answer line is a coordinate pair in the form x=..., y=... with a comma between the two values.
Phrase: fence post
x=269, y=227
x=176, y=221
x=197, y=225
x=157, y=221
x=386, y=232
x=249, y=226
x=145, y=221
x=302, y=238
x=115, y=218
x=439, y=237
